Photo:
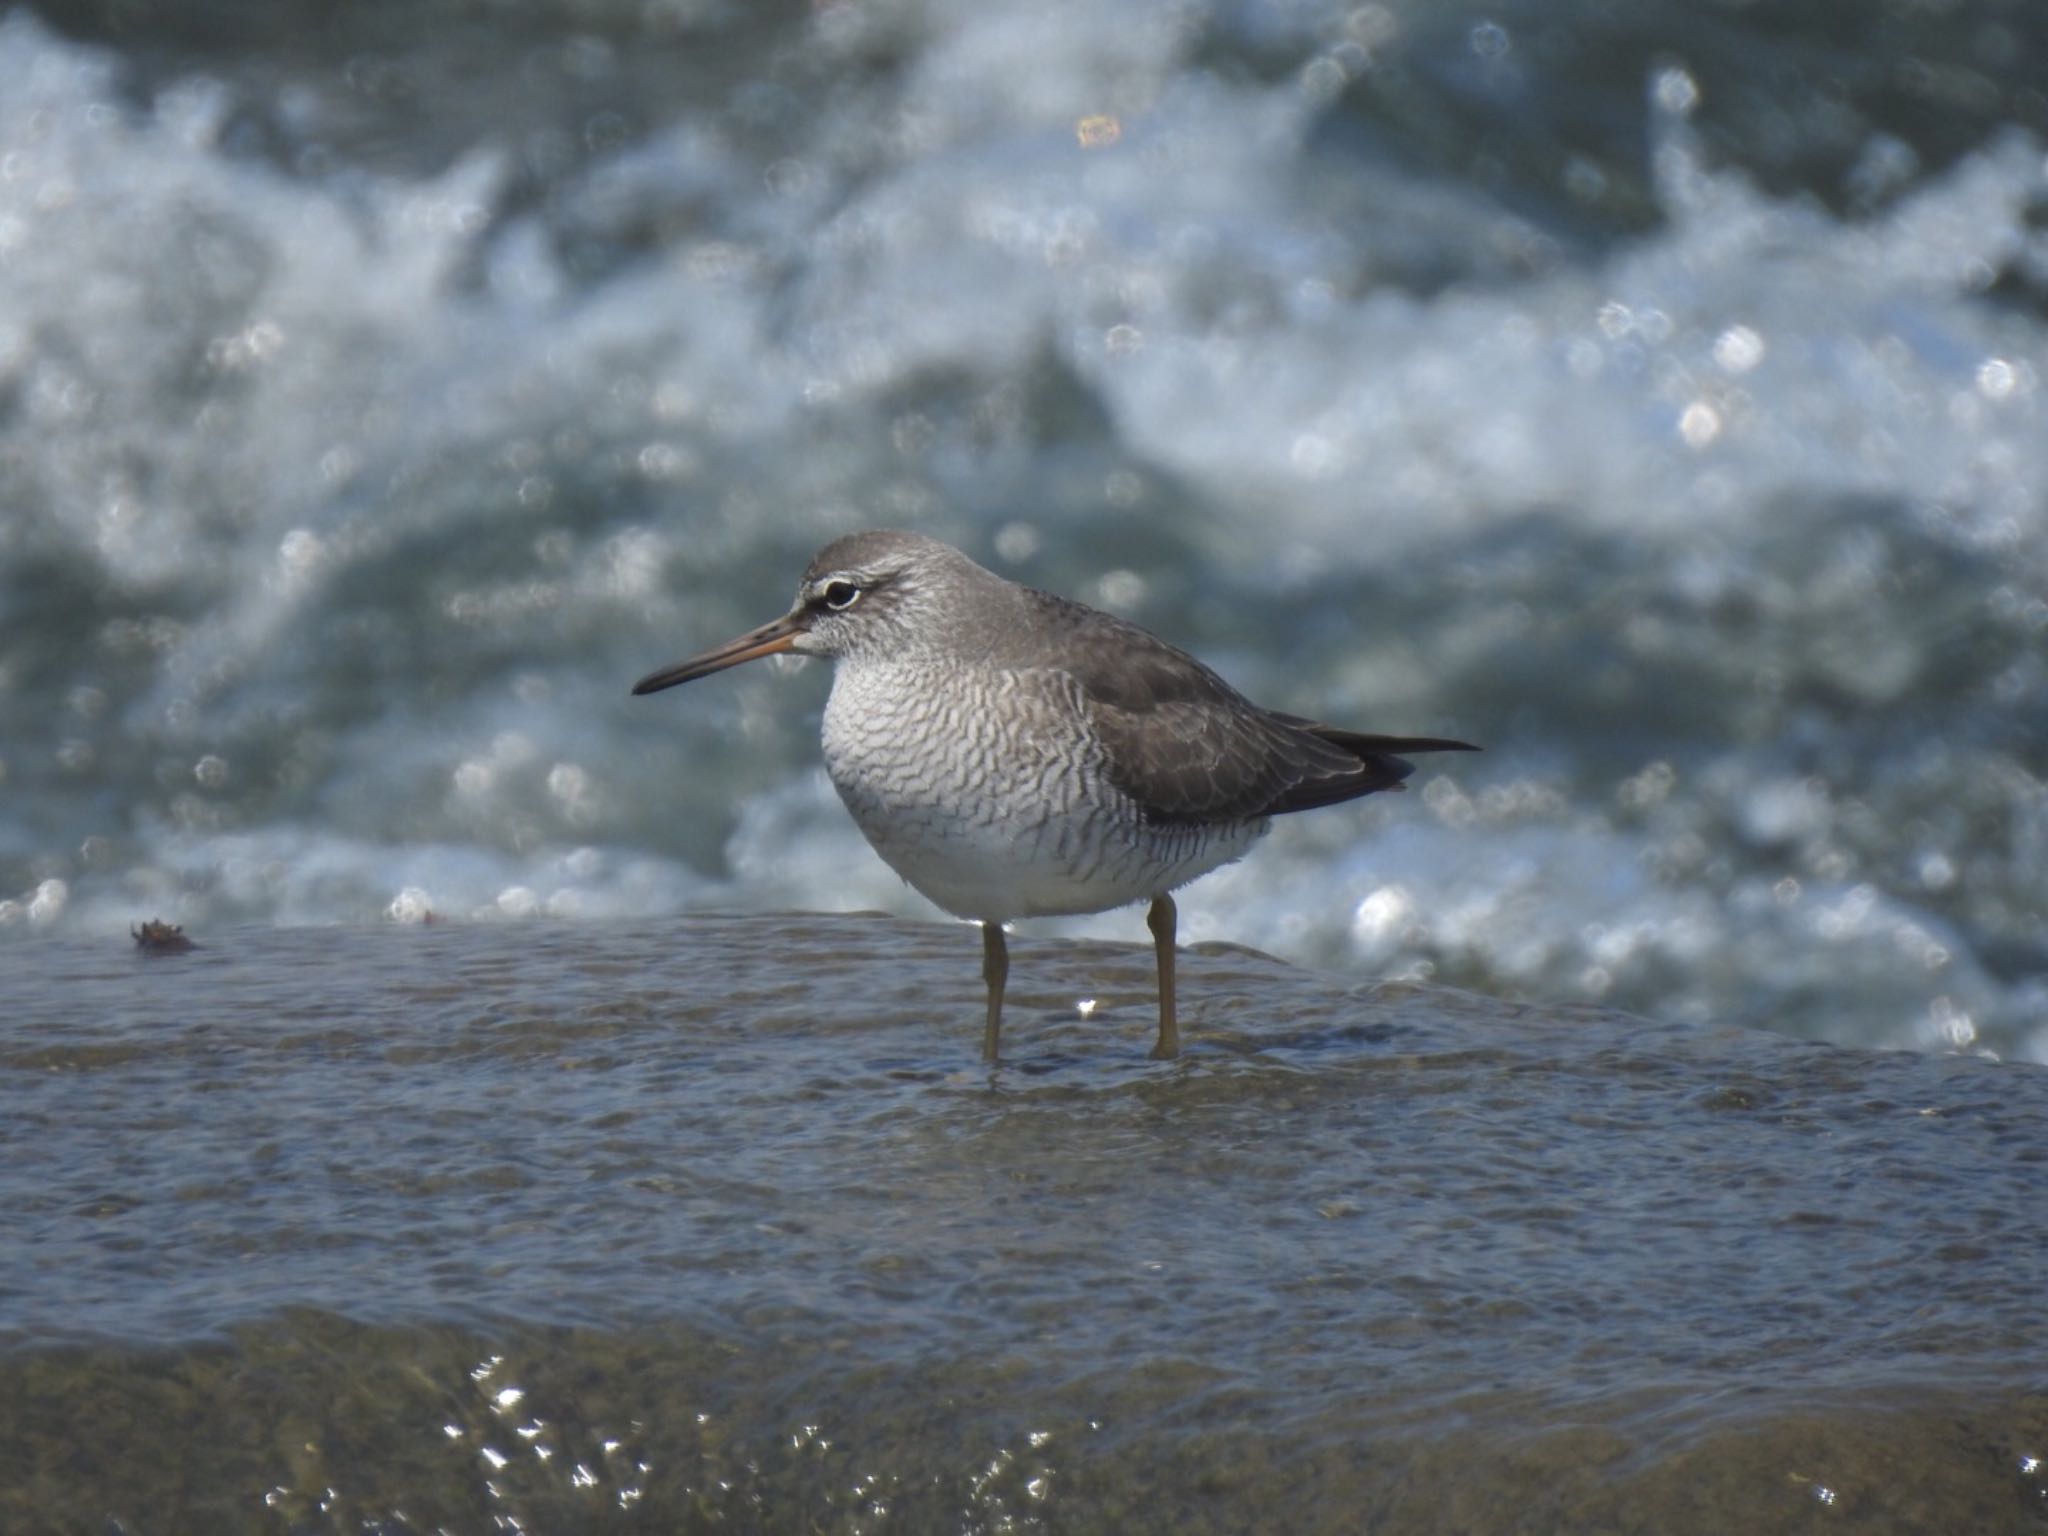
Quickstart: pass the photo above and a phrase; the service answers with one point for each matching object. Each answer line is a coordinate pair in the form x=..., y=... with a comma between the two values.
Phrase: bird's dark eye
x=841, y=594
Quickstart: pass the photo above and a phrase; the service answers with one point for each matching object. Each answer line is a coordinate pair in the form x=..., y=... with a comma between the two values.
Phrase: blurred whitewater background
x=1653, y=395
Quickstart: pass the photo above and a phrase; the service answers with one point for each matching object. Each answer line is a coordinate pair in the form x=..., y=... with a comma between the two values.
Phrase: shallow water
x=388, y=1219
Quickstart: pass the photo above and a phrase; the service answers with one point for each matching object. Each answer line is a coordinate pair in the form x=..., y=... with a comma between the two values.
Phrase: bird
x=1012, y=753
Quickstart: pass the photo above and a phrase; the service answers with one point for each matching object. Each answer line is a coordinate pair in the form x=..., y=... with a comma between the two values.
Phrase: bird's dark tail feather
x=1379, y=769
x=1384, y=746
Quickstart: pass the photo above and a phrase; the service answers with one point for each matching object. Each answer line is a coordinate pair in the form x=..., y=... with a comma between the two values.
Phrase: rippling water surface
x=735, y=1194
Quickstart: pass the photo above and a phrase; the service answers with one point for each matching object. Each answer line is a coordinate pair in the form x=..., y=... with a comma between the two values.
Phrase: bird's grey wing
x=1188, y=748
x=1184, y=744
x=1183, y=764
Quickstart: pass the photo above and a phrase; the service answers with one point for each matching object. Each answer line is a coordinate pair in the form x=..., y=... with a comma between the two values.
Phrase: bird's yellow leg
x=1160, y=920
x=995, y=970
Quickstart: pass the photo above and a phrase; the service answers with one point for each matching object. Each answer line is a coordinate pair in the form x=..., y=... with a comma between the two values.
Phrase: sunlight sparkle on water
x=1098, y=131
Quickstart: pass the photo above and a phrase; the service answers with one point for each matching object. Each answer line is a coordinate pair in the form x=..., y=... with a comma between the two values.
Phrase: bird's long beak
x=765, y=641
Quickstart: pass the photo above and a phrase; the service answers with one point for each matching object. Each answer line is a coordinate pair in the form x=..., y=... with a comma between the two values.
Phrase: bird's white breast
x=985, y=790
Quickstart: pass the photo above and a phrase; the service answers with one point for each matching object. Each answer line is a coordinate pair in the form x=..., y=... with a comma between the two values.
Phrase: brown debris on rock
x=160, y=938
